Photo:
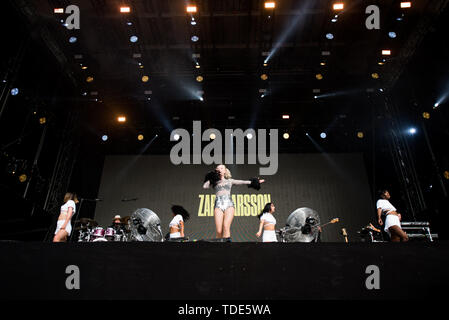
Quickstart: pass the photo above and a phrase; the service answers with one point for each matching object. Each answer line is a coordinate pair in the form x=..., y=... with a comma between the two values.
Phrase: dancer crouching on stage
x=267, y=223
x=64, y=227
x=392, y=220
x=221, y=180
x=177, y=224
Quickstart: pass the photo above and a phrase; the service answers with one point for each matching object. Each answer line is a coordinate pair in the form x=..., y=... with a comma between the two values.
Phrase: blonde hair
x=70, y=196
x=227, y=174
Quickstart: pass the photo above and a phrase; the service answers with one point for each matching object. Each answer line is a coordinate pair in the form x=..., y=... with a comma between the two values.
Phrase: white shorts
x=68, y=227
x=269, y=236
x=175, y=235
x=391, y=220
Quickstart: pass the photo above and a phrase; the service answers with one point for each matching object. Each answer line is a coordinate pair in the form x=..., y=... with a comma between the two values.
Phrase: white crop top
x=65, y=206
x=268, y=218
x=385, y=205
x=175, y=222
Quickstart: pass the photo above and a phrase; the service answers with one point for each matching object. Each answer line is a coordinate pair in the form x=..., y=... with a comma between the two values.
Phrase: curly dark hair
x=181, y=211
x=381, y=193
x=266, y=209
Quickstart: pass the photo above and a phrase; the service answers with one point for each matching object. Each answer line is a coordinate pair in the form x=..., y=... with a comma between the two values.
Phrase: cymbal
x=86, y=221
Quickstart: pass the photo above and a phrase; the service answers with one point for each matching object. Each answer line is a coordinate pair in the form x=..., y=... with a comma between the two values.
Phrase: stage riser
x=223, y=270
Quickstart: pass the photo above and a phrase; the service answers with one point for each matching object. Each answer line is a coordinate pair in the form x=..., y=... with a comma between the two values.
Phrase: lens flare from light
x=191, y=9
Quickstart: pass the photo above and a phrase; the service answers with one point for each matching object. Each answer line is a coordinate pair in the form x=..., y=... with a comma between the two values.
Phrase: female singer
x=267, y=223
x=221, y=180
x=177, y=224
x=392, y=220
x=64, y=227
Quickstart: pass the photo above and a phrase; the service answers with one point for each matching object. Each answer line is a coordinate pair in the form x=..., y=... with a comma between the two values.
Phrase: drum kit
x=89, y=231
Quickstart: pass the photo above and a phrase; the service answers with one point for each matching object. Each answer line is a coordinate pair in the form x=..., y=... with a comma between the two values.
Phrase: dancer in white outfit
x=64, y=227
x=267, y=223
x=177, y=223
x=392, y=220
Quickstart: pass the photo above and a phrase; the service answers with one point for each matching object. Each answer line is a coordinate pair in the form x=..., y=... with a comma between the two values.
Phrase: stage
x=223, y=271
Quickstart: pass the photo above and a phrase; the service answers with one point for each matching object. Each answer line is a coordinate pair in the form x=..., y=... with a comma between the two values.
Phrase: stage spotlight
x=104, y=137
x=249, y=136
x=140, y=137
x=193, y=23
x=323, y=135
x=329, y=36
x=145, y=79
x=436, y=105
x=197, y=66
x=338, y=6
x=90, y=79
x=307, y=134
x=392, y=34
x=406, y=5
x=375, y=75
x=133, y=39
x=191, y=9
x=201, y=99
x=23, y=178
x=426, y=115
x=72, y=39
x=121, y=119
x=360, y=135
x=84, y=67
x=285, y=116
x=199, y=78
x=264, y=77
x=58, y=10
x=315, y=97
x=323, y=63
x=125, y=9
x=129, y=23
x=335, y=19
x=319, y=76
x=270, y=5
x=176, y=137
x=42, y=120
x=411, y=131
x=380, y=63
x=286, y=136
x=386, y=52
x=194, y=38
x=265, y=64
x=14, y=91
x=212, y=136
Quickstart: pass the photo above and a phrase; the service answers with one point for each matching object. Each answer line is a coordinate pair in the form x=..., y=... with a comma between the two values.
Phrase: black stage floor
x=203, y=270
